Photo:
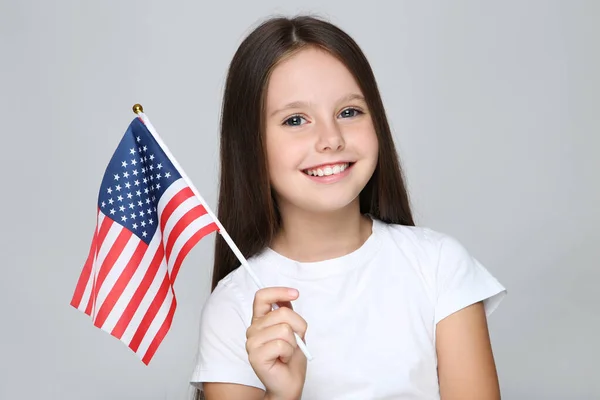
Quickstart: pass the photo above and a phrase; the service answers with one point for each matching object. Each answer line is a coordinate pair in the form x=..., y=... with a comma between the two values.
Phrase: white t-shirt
x=371, y=314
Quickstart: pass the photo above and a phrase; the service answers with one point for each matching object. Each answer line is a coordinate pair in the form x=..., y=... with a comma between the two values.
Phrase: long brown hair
x=246, y=205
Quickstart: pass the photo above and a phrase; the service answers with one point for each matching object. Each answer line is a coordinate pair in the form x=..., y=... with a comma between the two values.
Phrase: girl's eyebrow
x=303, y=104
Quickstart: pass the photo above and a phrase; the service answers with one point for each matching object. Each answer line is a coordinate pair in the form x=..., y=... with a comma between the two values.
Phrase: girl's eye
x=350, y=112
x=295, y=120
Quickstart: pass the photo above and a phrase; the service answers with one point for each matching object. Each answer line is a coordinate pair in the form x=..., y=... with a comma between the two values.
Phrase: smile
x=327, y=170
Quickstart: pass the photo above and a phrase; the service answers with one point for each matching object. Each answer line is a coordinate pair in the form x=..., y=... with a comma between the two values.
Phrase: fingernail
x=293, y=292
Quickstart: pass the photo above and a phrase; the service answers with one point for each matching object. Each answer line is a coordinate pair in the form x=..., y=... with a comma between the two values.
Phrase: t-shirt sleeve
x=222, y=355
x=461, y=281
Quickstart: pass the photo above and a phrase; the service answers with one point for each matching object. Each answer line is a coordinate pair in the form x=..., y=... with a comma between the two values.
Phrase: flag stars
x=144, y=234
x=125, y=174
x=109, y=190
x=124, y=164
x=116, y=177
x=151, y=157
x=133, y=215
x=112, y=211
x=143, y=223
x=110, y=201
x=124, y=218
x=133, y=162
x=127, y=185
x=138, y=193
x=159, y=166
x=131, y=205
x=138, y=139
x=140, y=203
x=129, y=195
x=121, y=208
x=135, y=225
x=145, y=148
x=158, y=176
x=103, y=204
x=168, y=175
x=132, y=151
x=118, y=188
x=120, y=198
x=136, y=182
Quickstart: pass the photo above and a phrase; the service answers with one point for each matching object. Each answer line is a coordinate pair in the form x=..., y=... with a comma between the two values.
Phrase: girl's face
x=321, y=144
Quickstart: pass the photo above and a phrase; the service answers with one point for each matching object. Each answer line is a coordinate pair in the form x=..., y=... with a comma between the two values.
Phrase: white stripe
x=159, y=319
x=187, y=233
x=133, y=284
x=87, y=293
x=171, y=191
x=116, y=270
x=184, y=207
x=148, y=298
x=112, y=235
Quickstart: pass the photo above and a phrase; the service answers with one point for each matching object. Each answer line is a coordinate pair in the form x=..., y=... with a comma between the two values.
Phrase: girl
x=312, y=193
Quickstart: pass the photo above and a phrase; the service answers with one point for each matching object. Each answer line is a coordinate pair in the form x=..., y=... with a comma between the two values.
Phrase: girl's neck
x=310, y=237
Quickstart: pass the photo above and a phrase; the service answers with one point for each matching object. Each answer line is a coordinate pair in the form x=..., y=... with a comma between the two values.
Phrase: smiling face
x=320, y=140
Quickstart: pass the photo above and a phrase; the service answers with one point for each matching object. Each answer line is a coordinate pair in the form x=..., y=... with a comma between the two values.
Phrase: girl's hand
x=271, y=345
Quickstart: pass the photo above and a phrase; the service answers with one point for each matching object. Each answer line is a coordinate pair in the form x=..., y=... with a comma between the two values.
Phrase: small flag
x=148, y=220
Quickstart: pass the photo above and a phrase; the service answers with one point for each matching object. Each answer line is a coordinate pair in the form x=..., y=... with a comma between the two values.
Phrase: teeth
x=328, y=170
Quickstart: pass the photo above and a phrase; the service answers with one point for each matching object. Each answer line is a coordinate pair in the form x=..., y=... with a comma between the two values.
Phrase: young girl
x=312, y=193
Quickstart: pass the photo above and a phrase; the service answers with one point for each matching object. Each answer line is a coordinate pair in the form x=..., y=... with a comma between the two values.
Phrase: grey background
x=494, y=107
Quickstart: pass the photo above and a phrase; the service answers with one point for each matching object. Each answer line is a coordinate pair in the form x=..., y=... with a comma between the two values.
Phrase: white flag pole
x=137, y=108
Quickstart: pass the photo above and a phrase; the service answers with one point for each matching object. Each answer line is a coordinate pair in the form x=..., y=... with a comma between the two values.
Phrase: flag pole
x=139, y=110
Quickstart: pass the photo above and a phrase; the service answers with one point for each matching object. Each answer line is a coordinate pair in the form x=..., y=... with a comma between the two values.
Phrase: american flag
x=148, y=219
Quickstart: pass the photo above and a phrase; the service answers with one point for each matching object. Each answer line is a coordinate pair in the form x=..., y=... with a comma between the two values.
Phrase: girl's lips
x=333, y=178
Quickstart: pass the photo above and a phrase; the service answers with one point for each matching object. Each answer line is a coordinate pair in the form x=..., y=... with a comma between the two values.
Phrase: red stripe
x=172, y=205
x=139, y=294
x=121, y=283
x=212, y=227
x=113, y=255
x=85, y=273
x=103, y=231
x=104, y=228
x=183, y=222
x=160, y=335
x=150, y=314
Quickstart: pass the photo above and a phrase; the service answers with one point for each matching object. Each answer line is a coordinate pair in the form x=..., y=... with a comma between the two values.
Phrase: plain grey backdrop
x=494, y=108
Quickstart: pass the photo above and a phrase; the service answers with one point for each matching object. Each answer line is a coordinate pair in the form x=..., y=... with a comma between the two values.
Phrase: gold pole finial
x=137, y=108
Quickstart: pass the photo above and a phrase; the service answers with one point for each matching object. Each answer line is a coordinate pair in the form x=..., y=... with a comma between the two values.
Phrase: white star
x=120, y=198
x=158, y=176
x=141, y=212
x=127, y=185
x=112, y=211
x=148, y=202
x=132, y=151
x=125, y=174
x=129, y=195
x=133, y=215
x=139, y=149
x=135, y=172
x=103, y=204
x=168, y=175
x=123, y=218
x=151, y=167
x=151, y=157
x=121, y=208
x=154, y=199
x=133, y=162
x=138, y=139
x=143, y=224
x=140, y=203
x=131, y=205
x=145, y=148
x=124, y=164
x=145, y=180
x=159, y=166
x=118, y=187
x=138, y=193
x=149, y=211
x=144, y=234
x=116, y=177
x=109, y=190
x=110, y=201
x=146, y=190
x=134, y=226
x=150, y=221
x=157, y=186
x=136, y=182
